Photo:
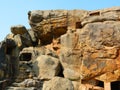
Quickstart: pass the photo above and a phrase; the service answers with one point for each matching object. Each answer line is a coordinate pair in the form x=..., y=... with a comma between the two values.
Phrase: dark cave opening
x=25, y=57
x=78, y=25
x=115, y=85
x=95, y=13
x=61, y=71
x=8, y=51
x=100, y=84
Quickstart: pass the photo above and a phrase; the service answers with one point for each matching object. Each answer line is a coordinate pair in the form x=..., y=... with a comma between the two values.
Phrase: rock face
x=92, y=50
x=47, y=67
x=18, y=29
x=58, y=83
x=53, y=23
x=64, y=50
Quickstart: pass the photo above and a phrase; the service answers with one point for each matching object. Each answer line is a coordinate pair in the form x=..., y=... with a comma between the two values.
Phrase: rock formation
x=64, y=50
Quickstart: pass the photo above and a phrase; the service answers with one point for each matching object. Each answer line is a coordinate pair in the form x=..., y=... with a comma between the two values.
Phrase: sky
x=14, y=12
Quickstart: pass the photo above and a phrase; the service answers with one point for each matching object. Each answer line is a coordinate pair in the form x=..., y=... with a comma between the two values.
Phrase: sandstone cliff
x=63, y=50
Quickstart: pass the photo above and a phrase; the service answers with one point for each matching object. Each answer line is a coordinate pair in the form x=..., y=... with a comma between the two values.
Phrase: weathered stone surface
x=24, y=40
x=46, y=67
x=82, y=46
x=58, y=83
x=109, y=76
x=3, y=64
x=70, y=56
x=10, y=42
x=101, y=48
x=18, y=29
x=26, y=54
x=18, y=40
x=31, y=53
x=21, y=88
x=79, y=86
x=110, y=14
x=30, y=83
x=55, y=47
x=89, y=87
x=94, y=48
x=53, y=23
x=33, y=37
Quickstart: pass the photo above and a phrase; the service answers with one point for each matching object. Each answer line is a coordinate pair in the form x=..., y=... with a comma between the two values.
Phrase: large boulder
x=18, y=41
x=92, y=50
x=58, y=83
x=18, y=29
x=46, y=67
x=23, y=40
x=10, y=42
x=54, y=23
x=33, y=37
x=70, y=56
x=101, y=48
x=6, y=64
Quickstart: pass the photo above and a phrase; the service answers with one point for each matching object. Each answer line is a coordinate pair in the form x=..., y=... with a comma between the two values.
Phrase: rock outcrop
x=64, y=50
x=58, y=83
x=47, y=67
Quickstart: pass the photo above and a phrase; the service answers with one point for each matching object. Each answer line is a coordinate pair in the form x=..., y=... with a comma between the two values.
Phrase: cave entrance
x=25, y=57
x=115, y=85
x=94, y=14
x=78, y=25
x=100, y=84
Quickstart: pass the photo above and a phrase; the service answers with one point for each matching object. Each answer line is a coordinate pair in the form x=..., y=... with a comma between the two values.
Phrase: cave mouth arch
x=25, y=56
x=100, y=84
x=115, y=85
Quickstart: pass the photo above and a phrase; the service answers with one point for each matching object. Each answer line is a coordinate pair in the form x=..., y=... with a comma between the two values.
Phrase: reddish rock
x=93, y=49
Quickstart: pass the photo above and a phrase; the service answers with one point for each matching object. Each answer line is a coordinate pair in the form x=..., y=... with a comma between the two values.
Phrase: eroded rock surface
x=64, y=50
x=46, y=67
x=58, y=83
x=53, y=23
